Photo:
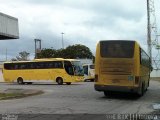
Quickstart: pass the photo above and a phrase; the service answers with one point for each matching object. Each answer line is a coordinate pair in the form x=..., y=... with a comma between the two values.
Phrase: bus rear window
x=117, y=49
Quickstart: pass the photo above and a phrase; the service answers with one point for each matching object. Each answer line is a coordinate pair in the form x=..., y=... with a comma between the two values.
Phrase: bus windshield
x=117, y=49
x=78, y=69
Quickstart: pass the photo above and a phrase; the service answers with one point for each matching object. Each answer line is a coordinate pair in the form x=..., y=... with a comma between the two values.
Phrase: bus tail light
x=96, y=78
x=136, y=80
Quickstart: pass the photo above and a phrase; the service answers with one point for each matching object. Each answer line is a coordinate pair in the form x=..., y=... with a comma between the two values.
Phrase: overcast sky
x=82, y=21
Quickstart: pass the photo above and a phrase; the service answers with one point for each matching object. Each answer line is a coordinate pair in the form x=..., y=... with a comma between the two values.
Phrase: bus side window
x=31, y=66
x=23, y=66
x=50, y=65
x=60, y=65
x=15, y=67
x=55, y=65
x=37, y=65
x=7, y=66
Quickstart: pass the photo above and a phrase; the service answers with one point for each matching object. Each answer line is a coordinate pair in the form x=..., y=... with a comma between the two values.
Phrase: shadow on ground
x=44, y=84
x=121, y=96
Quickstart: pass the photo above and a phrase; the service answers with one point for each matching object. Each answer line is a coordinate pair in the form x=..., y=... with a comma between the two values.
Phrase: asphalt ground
x=78, y=100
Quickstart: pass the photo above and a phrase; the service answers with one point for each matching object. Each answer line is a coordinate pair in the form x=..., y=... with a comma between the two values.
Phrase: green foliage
x=78, y=51
x=47, y=53
x=23, y=56
x=93, y=59
x=72, y=52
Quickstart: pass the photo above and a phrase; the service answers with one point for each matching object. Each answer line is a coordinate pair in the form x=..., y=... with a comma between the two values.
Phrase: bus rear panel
x=118, y=66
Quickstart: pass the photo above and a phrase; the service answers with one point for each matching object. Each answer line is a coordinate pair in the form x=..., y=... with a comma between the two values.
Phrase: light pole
x=149, y=30
x=62, y=41
x=37, y=50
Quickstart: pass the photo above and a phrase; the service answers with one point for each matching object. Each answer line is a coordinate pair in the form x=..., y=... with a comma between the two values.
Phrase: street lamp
x=62, y=41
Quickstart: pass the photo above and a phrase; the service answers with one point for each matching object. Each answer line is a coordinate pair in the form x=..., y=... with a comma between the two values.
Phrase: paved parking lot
x=78, y=98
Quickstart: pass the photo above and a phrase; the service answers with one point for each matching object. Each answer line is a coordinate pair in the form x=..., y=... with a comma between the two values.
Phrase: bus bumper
x=79, y=79
x=116, y=88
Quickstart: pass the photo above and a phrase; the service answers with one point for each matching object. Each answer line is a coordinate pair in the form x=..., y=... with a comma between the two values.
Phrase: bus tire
x=148, y=83
x=92, y=80
x=68, y=83
x=142, y=90
x=107, y=93
x=29, y=83
x=20, y=81
x=59, y=80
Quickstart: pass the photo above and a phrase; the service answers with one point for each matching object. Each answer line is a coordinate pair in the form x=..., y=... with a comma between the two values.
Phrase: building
x=8, y=30
x=155, y=74
x=8, y=27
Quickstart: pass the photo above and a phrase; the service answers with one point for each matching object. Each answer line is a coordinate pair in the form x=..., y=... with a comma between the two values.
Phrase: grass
x=10, y=95
x=5, y=96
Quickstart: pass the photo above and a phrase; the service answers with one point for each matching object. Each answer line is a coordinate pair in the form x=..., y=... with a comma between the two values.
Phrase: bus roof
x=72, y=59
x=119, y=40
x=48, y=59
x=55, y=59
x=43, y=59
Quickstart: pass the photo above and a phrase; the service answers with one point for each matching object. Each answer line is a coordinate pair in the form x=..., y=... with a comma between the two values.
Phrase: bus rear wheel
x=68, y=83
x=107, y=93
x=20, y=81
x=59, y=81
x=142, y=90
x=29, y=83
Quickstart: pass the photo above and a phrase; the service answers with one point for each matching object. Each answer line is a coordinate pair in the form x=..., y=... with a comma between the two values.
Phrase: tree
x=60, y=53
x=23, y=56
x=72, y=52
x=78, y=51
x=47, y=53
x=93, y=59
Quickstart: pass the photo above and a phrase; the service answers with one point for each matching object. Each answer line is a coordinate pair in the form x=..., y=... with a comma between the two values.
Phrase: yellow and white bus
x=89, y=72
x=42, y=70
x=121, y=66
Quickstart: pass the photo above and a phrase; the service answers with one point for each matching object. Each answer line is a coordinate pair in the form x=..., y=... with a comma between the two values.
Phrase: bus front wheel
x=59, y=81
x=20, y=81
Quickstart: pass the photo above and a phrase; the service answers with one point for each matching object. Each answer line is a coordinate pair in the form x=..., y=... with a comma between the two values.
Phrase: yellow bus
x=44, y=70
x=121, y=65
x=89, y=72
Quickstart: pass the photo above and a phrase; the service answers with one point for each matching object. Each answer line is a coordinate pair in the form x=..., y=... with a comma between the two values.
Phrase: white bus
x=89, y=72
